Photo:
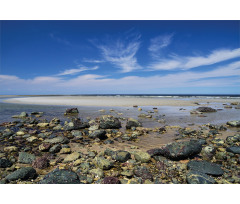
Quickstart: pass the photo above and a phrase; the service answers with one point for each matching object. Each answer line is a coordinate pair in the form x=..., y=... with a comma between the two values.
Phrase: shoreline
x=108, y=101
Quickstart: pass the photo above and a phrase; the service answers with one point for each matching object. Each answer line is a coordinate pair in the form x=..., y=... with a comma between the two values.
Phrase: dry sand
x=113, y=101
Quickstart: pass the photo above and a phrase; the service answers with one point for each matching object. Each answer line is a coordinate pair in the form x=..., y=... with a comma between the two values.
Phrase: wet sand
x=101, y=101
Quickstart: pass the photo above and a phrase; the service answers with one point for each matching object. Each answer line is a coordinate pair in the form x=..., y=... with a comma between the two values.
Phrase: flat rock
x=24, y=173
x=234, y=149
x=59, y=139
x=41, y=163
x=60, y=177
x=181, y=150
x=195, y=177
x=206, y=109
x=10, y=149
x=205, y=167
x=72, y=157
x=26, y=158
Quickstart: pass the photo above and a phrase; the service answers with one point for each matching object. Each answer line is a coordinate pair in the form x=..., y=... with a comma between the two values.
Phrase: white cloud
x=93, y=61
x=121, y=53
x=75, y=71
x=227, y=76
x=185, y=63
x=158, y=43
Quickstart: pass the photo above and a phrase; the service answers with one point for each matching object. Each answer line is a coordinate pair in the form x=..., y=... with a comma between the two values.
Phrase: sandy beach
x=100, y=101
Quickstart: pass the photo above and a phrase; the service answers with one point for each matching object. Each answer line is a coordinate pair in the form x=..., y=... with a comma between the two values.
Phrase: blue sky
x=123, y=57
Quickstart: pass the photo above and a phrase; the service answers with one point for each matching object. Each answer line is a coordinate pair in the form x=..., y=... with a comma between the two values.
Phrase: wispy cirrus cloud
x=158, y=43
x=76, y=71
x=190, y=62
x=93, y=61
x=60, y=40
x=121, y=52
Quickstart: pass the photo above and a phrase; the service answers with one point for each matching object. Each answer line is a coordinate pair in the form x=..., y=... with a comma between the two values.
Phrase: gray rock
x=142, y=156
x=143, y=172
x=55, y=140
x=98, y=173
x=231, y=140
x=101, y=134
x=109, y=122
x=75, y=124
x=234, y=123
x=55, y=149
x=234, y=149
x=181, y=150
x=208, y=152
x=26, y=158
x=4, y=163
x=24, y=173
x=205, y=167
x=133, y=123
x=103, y=163
x=70, y=111
x=60, y=177
x=195, y=177
x=121, y=156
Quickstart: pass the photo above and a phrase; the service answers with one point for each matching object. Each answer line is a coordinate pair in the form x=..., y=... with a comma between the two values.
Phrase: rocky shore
x=93, y=151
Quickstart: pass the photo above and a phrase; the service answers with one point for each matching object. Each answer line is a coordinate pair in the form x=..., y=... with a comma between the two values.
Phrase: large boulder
x=103, y=163
x=195, y=177
x=205, y=167
x=181, y=150
x=133, y=123
x=22, y=174
x=142, y=172
x=76, y=124
x=109, y=122
x=62, y=176
x=206, y=109
x=143, y=157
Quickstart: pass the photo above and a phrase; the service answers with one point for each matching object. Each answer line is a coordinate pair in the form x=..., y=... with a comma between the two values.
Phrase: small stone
x=43, y=125
x=20, y=133
x=143, y=172
x=32, y=139
x=103, y=163
x=235, y=123
x=59, y=139
x=26, y=158
x=143, y=157
x=4, y=163
x=72, y=157
x=41, y=163
x=111, y=180
x=133, y=123
x=44, y=147
x=98, y=173
x=128, y=173
x=77, y=162
x=71, y=111
x=101, y=134
x=139, y=109
x=10, y=149
x=121, y=156
x=55, y=149
x=65, y=151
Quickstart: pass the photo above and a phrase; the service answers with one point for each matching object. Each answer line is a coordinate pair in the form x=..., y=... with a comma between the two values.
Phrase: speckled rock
x=26, y=158
x=109, y=122
x=111, y=180
x=142, y=172
x=206, y=109
x=103, y=163
x=24, y=173
x=55, y=140
x=72, y=157
x=208, y=152
x=98, y=173
x=142, y=156
x=195, y=177
x=121, y=156
x=55, y=149
x=205, y=167
x=60, y=177
x=41, y=163
x=44, y=147
x=10, y=149
x=65, y=151
x=70, y=111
